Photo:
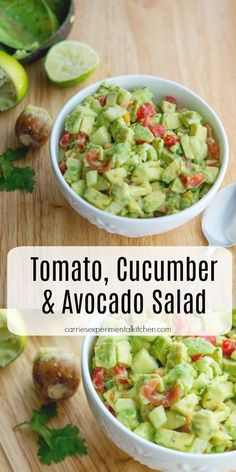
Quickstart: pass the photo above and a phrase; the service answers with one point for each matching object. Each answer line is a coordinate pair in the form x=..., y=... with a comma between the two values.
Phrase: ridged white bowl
x=149, y=454
x=133, y=227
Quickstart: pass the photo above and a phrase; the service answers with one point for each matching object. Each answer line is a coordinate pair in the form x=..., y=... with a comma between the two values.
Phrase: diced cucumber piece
x=96, y=198
x=204, y=424
x=158, y=417
x=101, y=136
x=174, y=439
x=174, y=420
x=124, y=404
x=79, y=187
x=115, y=175
x=145, y=431
x=91, y=178
x=124, y=353
x=186, y=405
x=143, y=362
x=153, y=201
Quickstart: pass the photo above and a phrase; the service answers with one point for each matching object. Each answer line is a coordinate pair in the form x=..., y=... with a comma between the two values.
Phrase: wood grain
x=191, y=42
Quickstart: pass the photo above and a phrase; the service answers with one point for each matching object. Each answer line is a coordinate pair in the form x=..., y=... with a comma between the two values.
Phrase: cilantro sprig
x=12, y=177
x=54, y=444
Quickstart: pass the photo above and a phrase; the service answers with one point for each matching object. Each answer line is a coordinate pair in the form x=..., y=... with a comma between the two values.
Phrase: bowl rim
x=87, y=382
x=75, y=100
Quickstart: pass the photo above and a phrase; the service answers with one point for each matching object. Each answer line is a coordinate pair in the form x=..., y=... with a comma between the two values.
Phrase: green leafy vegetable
x=54, y=444
x=26, y=24
x=12, y=177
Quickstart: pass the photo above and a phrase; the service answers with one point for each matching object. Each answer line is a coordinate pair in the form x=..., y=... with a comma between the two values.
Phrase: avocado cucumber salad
x=130, y=156
x=177, y=392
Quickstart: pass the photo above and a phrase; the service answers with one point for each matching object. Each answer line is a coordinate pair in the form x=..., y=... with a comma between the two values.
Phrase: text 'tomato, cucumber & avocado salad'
x=129, y=156
x=178, y=392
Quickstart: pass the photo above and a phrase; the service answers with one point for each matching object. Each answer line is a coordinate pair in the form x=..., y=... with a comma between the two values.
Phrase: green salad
x=129, y=155
x=178, y=392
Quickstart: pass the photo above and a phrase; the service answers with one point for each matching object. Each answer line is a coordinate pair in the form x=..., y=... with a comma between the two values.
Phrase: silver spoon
x=219, y=218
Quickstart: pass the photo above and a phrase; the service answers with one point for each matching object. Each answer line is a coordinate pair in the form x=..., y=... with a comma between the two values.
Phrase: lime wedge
x=70, y=62
x=11, y=346
x=13, y=81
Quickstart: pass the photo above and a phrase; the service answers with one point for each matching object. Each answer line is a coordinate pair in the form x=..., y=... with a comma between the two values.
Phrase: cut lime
x=13, y=81
x=70, y=62
x=11, y=346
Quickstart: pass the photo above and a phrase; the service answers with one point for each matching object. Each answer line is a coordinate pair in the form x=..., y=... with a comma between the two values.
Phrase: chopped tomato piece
x=121, y=374
x=171, y=99
x=213, y=150
x=62, y=167
x=170, y=140
x=196, y=357
x=186, y=428
x=172, y=396
x=157, y=130
x=140, y=142
x=209, y=130
x=150, y=391
x=81, y=140
x=228, y=347
x=192, y=180
x=102, y=101
x=147, y=109
x=65, y=140
x=110, y=409
x=98, y=379
x=92, y=158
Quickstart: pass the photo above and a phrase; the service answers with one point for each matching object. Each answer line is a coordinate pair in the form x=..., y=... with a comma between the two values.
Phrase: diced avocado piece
x=174, y=420
x=160, y=348
x=167, y=157
x=135, y=206
x=115, y=175
x=101, y=136
x=105, y=355
x=79, y=187
x=208, y=366
x=158, y=144
x=124, y=97
x=87, y=124
x=210, y=174
x=177, y=186
x=143, y=362
x=158, y=417
x=73, y=122
x=140, y=174
x=146, y=431
x=111, y=396
x=200, y=384
x=168, y=107
x=199, y=446
x=124, y=404
x=72, y=173
x=186, y=405
x=153, y=201
x=234, y=317
x=124, y=357
x=111, y=98
x=185, y=143
x=204, y=425
x=217, y=393
x=120, y=193
x=189, y=117
x=142, y=133
x=196, y=129
x=199, y=148
x=125, y=135
x=173, y=439
x=137, y=343
x=140, y=190
x=114, y=112
x=142, y=95
x=177, y=354
x=116, y=127
x=171, y=120
x=114, y=208
x=129, y=418
x=91, y=178
x=221, y=438
x=96, y=198
x=222, y=412
x=230, y=425
x=183, y=374
x=229, y=365
x=102, y=183
x=171, y=172
x=198, y=346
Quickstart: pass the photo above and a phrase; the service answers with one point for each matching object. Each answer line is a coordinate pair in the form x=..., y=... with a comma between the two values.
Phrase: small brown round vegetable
x=55, y=373
x=33, y=126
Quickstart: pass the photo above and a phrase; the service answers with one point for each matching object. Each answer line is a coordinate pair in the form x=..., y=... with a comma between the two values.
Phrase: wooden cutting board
x=187, y=41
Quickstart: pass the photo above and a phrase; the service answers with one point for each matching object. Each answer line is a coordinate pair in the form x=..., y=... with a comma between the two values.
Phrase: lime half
x=13, y=81
x=11, y=346
x=70, y=62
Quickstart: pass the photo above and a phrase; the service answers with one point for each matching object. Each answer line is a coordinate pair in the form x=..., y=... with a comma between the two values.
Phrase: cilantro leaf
x=41, y=416
x=20, y=178
x=12, y=177
x=64, y=442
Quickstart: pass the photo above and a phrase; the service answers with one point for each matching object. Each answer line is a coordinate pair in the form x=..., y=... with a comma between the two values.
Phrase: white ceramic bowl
x=149, y=454
x=134, y=227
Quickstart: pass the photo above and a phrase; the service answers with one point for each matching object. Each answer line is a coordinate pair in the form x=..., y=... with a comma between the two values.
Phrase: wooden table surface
x=191, y=42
